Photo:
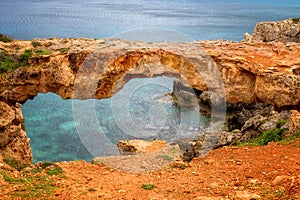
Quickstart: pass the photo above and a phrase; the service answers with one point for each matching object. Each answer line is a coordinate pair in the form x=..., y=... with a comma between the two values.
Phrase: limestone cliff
x=86, y=68
x=281, y=31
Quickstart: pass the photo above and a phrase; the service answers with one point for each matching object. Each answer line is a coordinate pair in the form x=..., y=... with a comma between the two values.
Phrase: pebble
x=247, y=195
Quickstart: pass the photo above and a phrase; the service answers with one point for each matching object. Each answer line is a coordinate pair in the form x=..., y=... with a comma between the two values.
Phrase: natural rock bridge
x=239, y=72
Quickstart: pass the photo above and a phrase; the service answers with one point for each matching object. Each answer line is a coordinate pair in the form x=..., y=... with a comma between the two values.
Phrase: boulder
x=130, y=147
x=183, y=95
x=212, y=99
x=247, y=195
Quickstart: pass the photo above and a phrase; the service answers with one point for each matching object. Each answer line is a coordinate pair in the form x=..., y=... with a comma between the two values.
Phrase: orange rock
x=140, y=146
x=294, y=123
x=281, y=179
x=264, y=72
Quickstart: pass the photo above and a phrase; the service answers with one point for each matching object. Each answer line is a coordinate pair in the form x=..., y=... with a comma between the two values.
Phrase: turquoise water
x=61, y=129
x=60, y=132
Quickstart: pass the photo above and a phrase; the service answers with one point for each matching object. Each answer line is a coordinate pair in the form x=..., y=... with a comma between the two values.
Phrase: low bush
x=6, y=62
x=280, y=123
x=54, y=171
x=35, y=44
x=15, y=163
x=5, y=38
x=25, y=57
x=42, y=52
x=273, y=135
x=64, y=50
x=148, y=186
x=11, y=63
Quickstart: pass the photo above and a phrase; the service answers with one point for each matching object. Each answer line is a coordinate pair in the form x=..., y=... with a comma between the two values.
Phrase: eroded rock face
x=294, y=123
x=247, y=73
x=282, y=31
x=14, y=144
x=261, y=72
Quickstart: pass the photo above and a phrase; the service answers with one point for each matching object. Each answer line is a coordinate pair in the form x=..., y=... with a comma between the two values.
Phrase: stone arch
x=107, y=70
x=98, y=74
x=248, y=75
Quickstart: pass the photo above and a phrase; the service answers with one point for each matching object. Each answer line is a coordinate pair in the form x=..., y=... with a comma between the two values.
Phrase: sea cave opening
x=143, y=109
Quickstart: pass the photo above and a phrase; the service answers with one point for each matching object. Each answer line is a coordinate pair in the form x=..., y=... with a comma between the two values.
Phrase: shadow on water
x=54, y=133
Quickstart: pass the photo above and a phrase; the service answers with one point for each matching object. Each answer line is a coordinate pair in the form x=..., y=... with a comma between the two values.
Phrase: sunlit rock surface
x=88, y=68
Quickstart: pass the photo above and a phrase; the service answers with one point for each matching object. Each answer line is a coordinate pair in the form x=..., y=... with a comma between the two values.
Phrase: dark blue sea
x=58, y=130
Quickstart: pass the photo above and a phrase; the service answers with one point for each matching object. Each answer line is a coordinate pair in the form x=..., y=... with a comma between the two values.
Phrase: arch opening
x=55, y=133
x=104, y=72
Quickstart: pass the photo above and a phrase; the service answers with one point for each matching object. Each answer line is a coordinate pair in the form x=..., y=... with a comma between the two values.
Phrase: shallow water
x=67, y=129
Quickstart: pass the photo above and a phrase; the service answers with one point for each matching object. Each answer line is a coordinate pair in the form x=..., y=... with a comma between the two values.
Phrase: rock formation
x=294, y=123
x=14, y=144
x=131, y=147
x=282, y=31
x=85, y=68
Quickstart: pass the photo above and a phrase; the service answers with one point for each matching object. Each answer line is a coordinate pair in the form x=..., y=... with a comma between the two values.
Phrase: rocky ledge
x=243, y=73
x=282, y=31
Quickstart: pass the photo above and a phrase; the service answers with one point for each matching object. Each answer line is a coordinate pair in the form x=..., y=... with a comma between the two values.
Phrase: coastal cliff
x=282, y=31
x=246, y=72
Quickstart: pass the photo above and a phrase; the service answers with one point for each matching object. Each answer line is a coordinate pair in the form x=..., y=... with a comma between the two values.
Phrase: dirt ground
x=259, y=172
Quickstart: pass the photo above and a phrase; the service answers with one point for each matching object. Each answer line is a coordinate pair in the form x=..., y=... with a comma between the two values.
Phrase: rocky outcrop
x=143, y=161
x=294, y=122
x=258, y=72
x=248, y=72
x=131, y=147
x=282, y=31
x=14, y=144
x=85, y=68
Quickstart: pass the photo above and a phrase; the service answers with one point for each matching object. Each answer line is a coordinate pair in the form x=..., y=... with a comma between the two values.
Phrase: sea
x=63, y=130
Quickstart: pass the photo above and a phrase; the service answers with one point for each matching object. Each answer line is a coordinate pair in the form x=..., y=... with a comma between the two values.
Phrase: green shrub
x=46, y=164
x=10, y=63
x=30, y=187
x=5, y=38
x=6, y=63
x=24, y=57
x=281, y=122
x=36, y=170
x=291, y=138
x=14, y=163
x=54, y=171
x=7, y=178
x=35, y=44
x=64, y=50
x=42, y=52
x=273, y=135
x=239, y=143
x=148, y=186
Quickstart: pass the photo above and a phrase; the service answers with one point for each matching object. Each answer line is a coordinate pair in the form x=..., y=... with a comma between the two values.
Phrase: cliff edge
x=282, y=31
x=87, y=68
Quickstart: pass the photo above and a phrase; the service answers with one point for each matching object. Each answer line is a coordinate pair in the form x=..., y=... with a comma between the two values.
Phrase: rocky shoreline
x=259, y=80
